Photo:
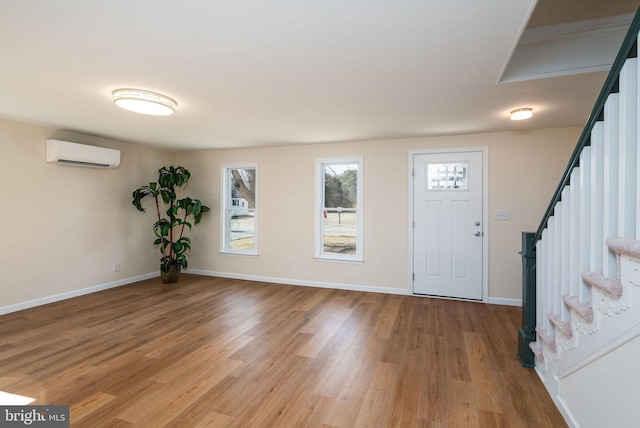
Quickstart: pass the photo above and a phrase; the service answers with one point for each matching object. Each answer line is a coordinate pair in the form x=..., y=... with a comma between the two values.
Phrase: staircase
x=587, y=264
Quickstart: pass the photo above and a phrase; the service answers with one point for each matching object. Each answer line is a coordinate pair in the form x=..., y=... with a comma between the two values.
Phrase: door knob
x=477, y=223
x=478, y=233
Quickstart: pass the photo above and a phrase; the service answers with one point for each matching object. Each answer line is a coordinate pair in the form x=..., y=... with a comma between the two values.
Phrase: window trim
x=227, y=202
x=319, y=207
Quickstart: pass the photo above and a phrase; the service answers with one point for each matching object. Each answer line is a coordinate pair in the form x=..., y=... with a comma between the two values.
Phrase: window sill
x=356, y=261
x=238, y=253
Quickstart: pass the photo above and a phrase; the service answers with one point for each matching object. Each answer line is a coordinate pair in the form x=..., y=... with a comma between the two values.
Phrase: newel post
x=527, y=333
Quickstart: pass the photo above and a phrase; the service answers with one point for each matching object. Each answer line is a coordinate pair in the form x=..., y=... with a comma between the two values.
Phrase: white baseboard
x=552, y=385
x=74, y=293
x=305, y=283
x=335, y=285
x=287, y=281
x=503, y=301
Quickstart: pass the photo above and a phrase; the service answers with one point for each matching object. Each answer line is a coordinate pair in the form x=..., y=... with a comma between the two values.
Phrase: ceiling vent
x=66, y=153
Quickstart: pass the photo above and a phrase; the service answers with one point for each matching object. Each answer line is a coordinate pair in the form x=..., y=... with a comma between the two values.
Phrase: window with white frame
x=239, y=209
x=339, y=209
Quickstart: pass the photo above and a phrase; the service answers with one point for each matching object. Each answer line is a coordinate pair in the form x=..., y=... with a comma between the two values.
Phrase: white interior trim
x=566, y=49
x=485, y=210
x=74, y=293
x=581, y=28
x=302, y=282
x=319, y=206
x=225, y=226
x=504, y=301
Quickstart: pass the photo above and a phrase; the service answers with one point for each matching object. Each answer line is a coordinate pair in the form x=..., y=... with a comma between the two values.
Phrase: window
x=447, y=176
x=339, y=209
x=239, y=203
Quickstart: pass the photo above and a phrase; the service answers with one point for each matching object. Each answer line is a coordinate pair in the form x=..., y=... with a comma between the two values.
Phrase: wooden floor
x=228, y=353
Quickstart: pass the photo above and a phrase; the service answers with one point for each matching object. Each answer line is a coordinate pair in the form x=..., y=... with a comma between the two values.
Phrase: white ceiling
x=254, y=73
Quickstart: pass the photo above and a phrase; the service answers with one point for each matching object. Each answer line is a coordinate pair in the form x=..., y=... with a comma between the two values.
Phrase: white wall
x=604, y=393
x=524, y=169
x=65, y=226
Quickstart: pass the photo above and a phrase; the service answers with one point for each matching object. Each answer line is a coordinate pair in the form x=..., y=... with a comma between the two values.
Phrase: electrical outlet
x=116, y=267
x=287, y=263
x=501, y=215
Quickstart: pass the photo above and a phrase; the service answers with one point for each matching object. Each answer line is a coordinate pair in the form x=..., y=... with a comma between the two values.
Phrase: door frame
x=485, y=212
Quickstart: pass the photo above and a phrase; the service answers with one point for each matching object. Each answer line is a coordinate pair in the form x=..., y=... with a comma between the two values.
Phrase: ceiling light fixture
x=521, y=113
x=144, y=102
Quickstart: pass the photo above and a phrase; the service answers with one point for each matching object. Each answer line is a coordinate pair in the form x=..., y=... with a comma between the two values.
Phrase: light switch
x=501, y=215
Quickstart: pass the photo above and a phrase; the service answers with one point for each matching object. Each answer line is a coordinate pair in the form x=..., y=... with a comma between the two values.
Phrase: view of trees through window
x=241, y=219
x=339, y=231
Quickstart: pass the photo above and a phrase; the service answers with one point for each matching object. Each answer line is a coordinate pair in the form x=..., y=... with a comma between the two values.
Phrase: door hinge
x=413, y=276
x=413, y=224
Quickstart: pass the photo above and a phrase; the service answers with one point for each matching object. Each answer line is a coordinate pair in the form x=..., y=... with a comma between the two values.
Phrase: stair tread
x=611, y=286
x=627, y=246
x=583, y=309
x=536, y=351
x=546, y=339
x=562, y=326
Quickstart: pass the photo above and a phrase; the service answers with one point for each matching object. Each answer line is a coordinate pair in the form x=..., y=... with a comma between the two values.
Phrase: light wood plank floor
x=228, y=353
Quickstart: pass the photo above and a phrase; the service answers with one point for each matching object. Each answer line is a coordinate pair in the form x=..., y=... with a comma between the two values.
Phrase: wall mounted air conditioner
x=67, y=153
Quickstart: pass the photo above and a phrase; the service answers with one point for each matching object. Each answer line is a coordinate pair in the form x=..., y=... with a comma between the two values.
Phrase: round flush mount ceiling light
x=522, y=113
x=144, y=102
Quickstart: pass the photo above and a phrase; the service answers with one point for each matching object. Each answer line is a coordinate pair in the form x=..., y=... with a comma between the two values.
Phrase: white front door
x=448, y=224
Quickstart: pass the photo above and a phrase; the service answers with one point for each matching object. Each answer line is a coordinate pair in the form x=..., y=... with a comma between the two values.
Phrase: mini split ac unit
x=67, y=153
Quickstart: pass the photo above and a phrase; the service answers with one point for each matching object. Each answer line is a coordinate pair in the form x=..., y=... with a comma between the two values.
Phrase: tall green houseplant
x=180, y=214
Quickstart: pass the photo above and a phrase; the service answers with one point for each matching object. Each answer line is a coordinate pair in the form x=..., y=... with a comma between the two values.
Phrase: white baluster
x=597, y=198
x=610, y=183
x=551, y=268
x=541, y=262
x=563, y=277
x=585, y=220
x=628, y=166
x=637, y=158
x=574, y=238
x=557, y=263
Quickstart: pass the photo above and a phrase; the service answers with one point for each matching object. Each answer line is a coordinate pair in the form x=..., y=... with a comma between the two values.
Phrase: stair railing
x=527, y=333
